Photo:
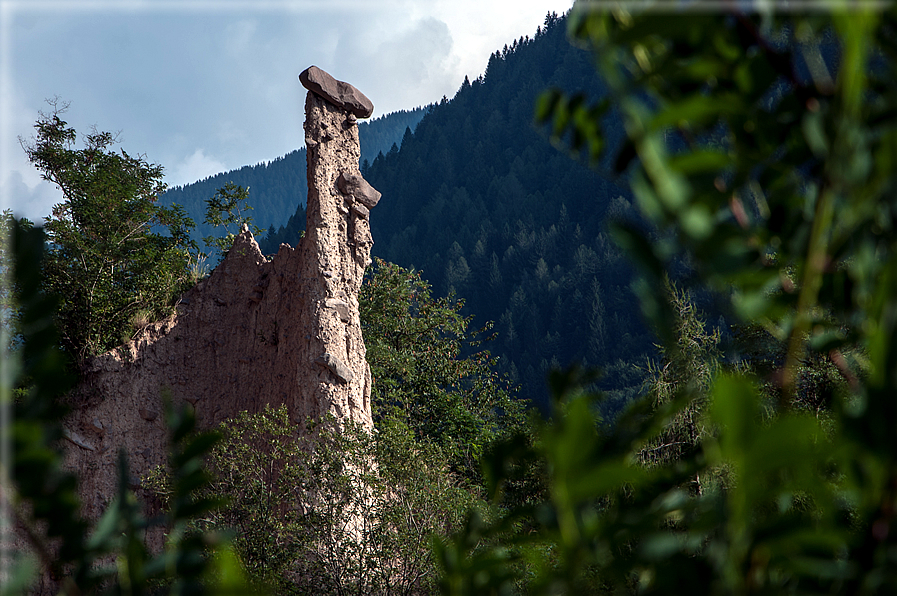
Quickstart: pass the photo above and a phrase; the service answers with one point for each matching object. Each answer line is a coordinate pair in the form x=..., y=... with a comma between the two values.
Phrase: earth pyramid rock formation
x=256, y=332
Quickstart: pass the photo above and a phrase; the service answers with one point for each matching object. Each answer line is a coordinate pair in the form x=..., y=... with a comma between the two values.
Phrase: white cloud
x=494, y=24
x=399, y=62
x=21, y=187
x=195, y=167
x=32, y=201
x=420, y=55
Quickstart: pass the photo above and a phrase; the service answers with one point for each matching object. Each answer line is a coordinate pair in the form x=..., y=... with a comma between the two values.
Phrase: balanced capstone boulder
x=338, y=93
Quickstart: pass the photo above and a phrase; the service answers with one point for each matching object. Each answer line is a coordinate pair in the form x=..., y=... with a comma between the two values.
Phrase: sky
x=203, y=86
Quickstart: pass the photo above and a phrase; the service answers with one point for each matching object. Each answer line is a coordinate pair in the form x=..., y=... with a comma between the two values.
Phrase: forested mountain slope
x=278, y=186
x=480, y=201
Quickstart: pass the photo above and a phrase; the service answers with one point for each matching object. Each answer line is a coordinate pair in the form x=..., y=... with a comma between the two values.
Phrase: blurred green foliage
x=762, y=145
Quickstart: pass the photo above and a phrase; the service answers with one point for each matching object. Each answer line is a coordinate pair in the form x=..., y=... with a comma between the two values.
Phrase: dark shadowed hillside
x=480, y=201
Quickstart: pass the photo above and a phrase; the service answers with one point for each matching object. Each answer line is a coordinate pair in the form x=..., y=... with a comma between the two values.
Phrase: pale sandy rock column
x=338, y=238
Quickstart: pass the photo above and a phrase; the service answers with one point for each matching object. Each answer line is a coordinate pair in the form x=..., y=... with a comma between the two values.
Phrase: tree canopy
x=431, y=371
x=116, y=258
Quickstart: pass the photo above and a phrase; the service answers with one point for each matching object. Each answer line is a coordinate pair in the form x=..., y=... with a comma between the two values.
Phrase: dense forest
x=277, y=187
